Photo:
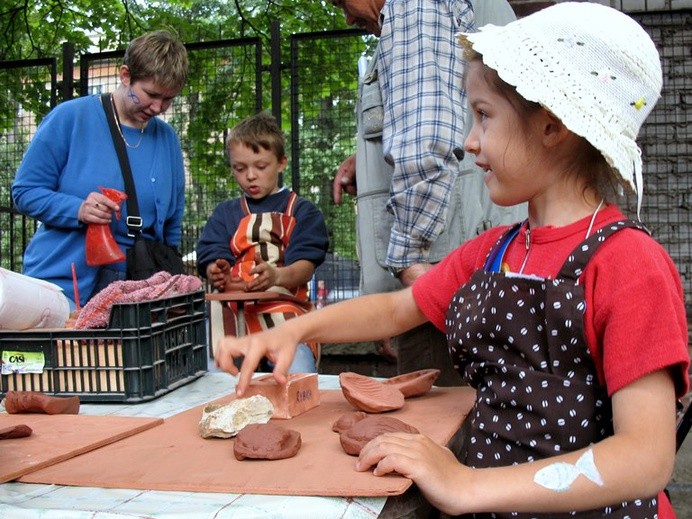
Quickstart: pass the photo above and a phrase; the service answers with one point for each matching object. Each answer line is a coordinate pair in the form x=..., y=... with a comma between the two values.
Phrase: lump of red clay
x=368, y=394
x=346, y=421
x=267, y=441
x=354, y=439
x=36, y=402
x=15, y=431
x=415, y=383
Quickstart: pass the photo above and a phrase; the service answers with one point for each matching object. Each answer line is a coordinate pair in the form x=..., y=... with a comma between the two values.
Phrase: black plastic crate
x=148, y=349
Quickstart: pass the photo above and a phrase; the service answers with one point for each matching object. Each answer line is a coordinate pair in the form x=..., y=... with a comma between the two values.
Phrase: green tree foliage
x=221, y=90
x=37, y=28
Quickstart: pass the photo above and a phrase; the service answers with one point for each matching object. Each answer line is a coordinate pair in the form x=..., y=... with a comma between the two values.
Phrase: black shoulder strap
x=134, y=221
x=574, y=265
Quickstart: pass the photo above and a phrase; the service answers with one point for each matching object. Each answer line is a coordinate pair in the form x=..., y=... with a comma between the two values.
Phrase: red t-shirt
x=635, y=320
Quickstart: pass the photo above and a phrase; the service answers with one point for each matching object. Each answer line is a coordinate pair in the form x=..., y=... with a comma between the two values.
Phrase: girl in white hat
x=571, y=325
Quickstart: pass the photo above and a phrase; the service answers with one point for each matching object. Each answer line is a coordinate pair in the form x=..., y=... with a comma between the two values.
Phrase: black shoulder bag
x=146, y=257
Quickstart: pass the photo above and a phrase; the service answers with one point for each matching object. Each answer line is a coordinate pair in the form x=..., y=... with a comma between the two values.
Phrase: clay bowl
x=369, y=395
x=415, y=383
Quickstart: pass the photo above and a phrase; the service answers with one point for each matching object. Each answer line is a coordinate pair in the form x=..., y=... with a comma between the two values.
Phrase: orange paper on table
x=56, y=438
x=173, y=456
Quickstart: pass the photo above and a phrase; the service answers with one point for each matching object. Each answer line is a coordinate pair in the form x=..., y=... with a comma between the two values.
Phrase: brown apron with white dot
x=519, y=340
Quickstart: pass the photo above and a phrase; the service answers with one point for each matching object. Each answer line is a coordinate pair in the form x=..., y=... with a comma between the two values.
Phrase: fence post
x=67, y=71
x=275, y=69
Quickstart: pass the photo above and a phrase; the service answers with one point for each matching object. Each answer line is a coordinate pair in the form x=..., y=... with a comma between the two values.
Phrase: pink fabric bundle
x=96, y=312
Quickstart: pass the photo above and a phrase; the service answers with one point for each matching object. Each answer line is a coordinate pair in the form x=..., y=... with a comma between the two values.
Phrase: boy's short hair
x=158, y=55
x=259, y=131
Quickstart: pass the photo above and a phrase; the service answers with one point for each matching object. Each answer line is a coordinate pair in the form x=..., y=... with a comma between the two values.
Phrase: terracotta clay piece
x=15, y=431
x=267, y=441
x=298, y=395
x=346, y=421
x=368, y=394
x=355, y=438
x=415, y=383
x=36, y=402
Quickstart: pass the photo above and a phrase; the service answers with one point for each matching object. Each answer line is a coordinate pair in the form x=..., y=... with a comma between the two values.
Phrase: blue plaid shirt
x=421, y=70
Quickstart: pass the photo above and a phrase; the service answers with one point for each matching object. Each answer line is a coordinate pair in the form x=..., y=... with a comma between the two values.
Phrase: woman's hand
x=97, y=208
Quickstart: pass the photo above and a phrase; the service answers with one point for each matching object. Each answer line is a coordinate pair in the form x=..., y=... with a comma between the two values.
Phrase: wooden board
x=56, y=438
x=174, y=456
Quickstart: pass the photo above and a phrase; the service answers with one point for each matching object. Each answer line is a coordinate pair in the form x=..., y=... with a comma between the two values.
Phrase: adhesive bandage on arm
x=560, y=476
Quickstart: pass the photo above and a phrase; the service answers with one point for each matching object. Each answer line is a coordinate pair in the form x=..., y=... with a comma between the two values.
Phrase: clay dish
x=416, y=383
x=266, y=441
x=368, y=394
x=355, y=438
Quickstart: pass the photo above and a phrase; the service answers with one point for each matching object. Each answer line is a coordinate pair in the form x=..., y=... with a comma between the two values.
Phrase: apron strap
x=493, y=262
x=576, y=262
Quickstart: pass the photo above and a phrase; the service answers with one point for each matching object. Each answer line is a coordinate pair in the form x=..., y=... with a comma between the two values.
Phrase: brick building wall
x=525, y=7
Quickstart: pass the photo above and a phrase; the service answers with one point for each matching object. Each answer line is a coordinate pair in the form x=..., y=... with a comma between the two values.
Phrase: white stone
x=225, y=421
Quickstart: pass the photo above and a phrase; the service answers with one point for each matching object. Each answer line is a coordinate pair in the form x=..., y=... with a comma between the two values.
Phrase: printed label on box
x=22, y=362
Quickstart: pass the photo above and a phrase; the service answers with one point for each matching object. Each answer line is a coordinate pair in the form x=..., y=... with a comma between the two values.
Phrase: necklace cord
x=120, y=131
x=593, y=217
x=528, y=231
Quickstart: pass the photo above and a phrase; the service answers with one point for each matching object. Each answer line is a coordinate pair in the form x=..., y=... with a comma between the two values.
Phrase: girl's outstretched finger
x=251, y=360
x=224, y=355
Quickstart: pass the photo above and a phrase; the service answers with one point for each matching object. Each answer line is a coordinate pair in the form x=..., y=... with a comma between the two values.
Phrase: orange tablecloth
x=56, y=438
x=173, y=456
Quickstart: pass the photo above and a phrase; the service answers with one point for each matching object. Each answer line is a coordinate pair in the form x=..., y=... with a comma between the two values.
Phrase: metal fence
x=317, y=89
x=227, y=82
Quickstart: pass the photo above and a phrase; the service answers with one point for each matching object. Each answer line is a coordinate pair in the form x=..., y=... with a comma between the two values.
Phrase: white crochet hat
x=592, y=66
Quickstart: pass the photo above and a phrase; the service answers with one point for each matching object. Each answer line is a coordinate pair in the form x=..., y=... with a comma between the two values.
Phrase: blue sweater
x=71, y=155
x=309, y=240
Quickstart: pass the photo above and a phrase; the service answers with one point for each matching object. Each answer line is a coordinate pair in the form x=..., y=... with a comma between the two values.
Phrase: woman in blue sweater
x=72, y=155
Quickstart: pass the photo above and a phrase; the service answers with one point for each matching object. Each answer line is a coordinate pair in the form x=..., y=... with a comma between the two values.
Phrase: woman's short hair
x=158, y=55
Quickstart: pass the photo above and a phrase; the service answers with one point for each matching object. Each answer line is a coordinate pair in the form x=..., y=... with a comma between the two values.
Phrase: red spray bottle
x=101, y=248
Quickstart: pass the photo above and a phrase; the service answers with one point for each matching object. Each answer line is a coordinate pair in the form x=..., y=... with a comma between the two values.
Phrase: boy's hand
x=219, y=274
x=266, y=276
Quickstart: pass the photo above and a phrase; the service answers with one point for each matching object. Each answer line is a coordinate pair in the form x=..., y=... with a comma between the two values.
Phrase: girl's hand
x=277, y=344
x=434, y=468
